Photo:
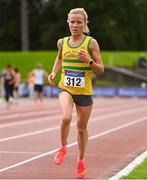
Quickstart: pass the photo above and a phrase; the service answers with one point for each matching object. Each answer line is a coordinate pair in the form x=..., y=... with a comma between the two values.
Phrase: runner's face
x=76, y=24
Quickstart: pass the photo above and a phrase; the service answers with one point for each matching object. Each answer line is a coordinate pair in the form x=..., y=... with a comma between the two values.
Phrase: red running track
x=30, y=137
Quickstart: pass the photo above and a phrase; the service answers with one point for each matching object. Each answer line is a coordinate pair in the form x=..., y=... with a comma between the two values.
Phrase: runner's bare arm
x=57, y=64
x=97, y=64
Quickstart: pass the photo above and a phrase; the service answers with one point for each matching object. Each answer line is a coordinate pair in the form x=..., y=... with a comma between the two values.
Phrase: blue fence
x=97, y=91
x=107, y=92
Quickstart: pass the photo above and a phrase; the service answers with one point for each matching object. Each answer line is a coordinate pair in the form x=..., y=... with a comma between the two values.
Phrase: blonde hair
x=82, y=12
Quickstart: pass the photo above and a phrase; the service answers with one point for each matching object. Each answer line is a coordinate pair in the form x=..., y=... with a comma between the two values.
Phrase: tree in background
x=24, y=25
x=9, y=25
x=121, y=25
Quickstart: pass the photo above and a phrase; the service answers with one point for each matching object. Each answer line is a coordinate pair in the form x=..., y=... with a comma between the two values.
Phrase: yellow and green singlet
x=76, y=76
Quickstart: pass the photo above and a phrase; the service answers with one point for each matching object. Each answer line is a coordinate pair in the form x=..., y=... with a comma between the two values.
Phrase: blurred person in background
x=16, y=84
x=8, y=82
x=1, y=74
x=30, y=81
x=39, y=75
x=142, y=61
x=78, y=55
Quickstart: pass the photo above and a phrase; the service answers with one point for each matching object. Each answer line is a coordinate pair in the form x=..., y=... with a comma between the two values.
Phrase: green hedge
x=26, y=61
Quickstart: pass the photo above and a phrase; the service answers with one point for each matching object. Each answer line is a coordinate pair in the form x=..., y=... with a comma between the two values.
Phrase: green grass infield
x=26, y=61
x=139, y=172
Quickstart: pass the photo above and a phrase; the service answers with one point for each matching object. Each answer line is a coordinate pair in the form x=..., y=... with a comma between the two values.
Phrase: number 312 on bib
x=74, y=79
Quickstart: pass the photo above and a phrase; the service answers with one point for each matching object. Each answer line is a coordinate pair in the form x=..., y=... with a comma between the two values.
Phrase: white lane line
x=73, y=124
x=30, y=134
x=35, y=153
x=26, y=114
x=74, y=143
x=125, y=171
x=29, y=121
x=19, y=152
x=34, y=120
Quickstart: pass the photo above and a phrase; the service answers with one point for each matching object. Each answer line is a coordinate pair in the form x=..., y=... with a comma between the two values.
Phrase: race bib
x=74, y=79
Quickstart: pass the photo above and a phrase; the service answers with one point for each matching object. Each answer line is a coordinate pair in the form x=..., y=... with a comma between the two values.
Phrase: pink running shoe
x=81, y=170
x=59, y=157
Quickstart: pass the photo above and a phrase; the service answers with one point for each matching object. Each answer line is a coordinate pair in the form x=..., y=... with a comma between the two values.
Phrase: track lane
x=38, y=123
x=111, y=119
x=106, y=135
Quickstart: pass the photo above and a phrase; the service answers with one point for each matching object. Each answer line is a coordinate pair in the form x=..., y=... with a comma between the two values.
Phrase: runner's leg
x=66, y=103
x=83, y=113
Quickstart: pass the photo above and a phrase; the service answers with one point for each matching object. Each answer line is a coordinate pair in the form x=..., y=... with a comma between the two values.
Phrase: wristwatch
x=90, y=62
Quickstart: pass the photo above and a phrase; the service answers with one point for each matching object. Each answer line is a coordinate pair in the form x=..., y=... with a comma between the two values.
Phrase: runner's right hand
x=51, y=78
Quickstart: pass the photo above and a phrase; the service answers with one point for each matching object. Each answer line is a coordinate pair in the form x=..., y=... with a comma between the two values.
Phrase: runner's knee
x=81, y=126
x=66, y=120
x=81, y=131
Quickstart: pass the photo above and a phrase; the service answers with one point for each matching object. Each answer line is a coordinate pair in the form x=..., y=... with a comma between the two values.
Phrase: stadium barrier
x=97, y=91
x=107, y=92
